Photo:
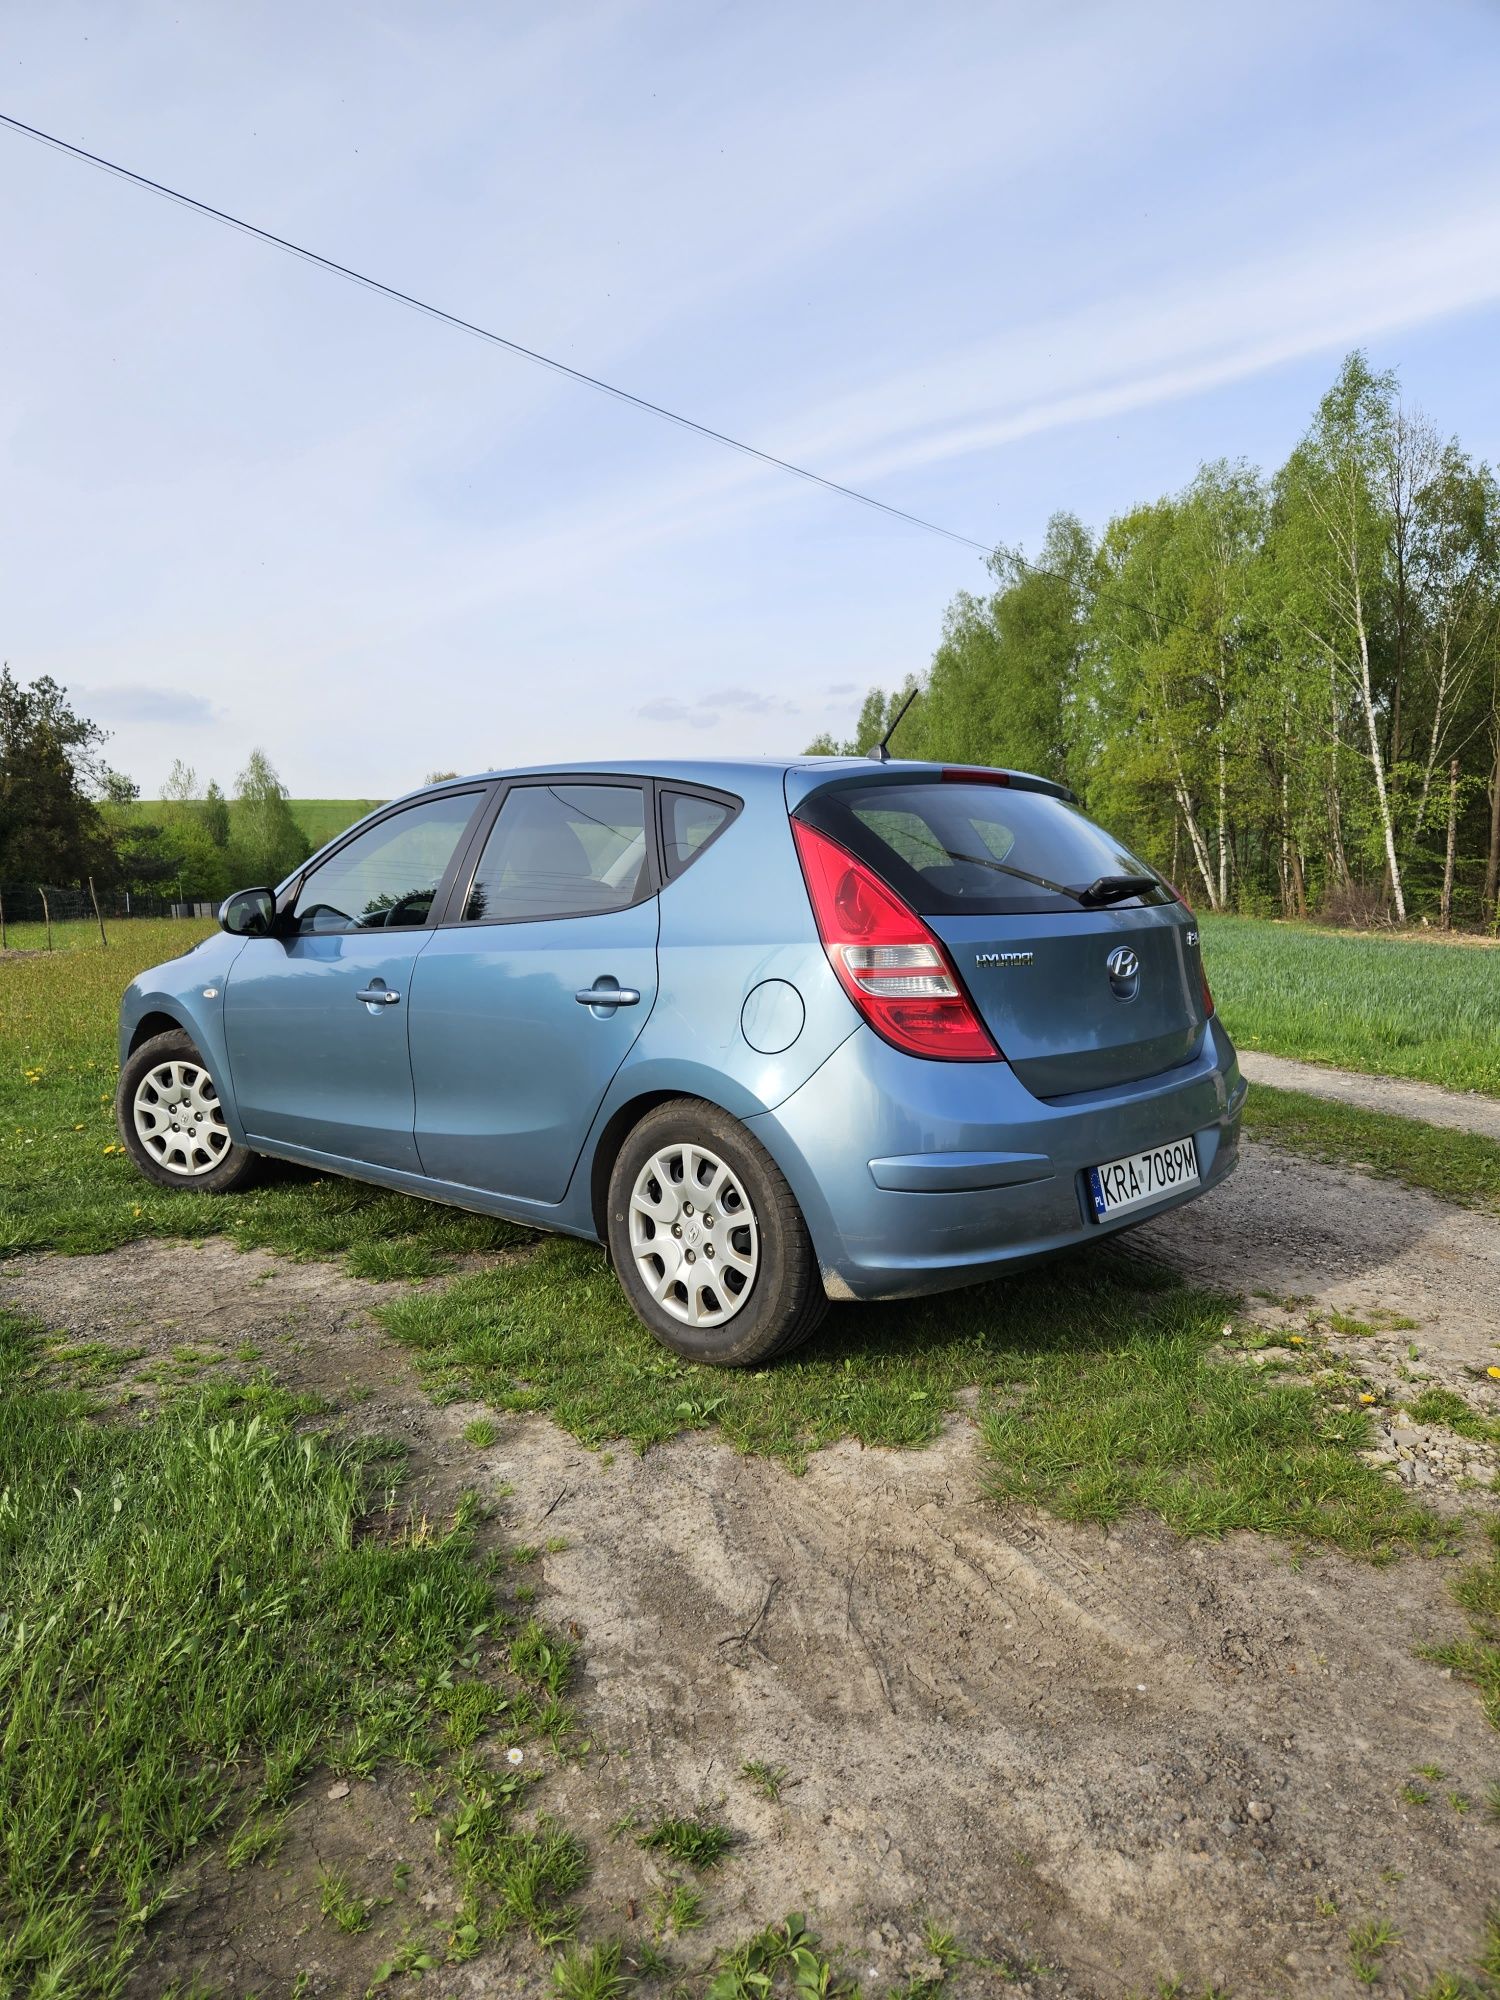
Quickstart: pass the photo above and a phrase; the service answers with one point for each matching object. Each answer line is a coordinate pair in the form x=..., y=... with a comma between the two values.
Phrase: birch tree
x=1338, y=539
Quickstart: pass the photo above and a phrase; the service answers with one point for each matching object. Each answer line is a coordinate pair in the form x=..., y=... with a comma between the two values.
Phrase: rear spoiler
x=839, y=774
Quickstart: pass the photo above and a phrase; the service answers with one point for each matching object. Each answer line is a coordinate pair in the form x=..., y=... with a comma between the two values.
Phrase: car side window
x=688, y=823
x=561, y=850
x=386, y=877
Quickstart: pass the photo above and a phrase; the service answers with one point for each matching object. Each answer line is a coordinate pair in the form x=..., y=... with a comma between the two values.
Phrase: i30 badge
x=1124, y=972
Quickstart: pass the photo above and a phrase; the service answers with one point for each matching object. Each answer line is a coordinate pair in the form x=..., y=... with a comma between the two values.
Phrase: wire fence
x=51, y=905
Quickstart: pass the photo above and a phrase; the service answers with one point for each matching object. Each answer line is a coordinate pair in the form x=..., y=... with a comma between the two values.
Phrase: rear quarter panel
x=737, y=918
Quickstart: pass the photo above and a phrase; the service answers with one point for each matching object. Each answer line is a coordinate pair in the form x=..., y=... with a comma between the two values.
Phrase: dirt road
x=1461, y=1111
x=1107, y=1758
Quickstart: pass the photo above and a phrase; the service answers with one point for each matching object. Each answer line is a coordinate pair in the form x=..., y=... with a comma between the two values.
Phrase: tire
x=730, y=1278
x=164, y=1075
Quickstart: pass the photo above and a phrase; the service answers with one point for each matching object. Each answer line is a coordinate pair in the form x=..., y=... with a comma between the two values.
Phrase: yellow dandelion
x=1367, y=1399
x=1494, y=1373
x=1294, y=1340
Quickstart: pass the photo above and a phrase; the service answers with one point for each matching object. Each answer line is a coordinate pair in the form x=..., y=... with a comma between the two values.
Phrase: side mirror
x=248, y=913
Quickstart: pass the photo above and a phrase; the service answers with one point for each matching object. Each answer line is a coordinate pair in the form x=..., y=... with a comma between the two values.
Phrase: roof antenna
x=881, y=753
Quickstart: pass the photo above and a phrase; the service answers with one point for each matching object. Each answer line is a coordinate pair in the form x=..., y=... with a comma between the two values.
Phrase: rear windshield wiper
x=1102, y=890
x=1112, y=889
x=1020, y=874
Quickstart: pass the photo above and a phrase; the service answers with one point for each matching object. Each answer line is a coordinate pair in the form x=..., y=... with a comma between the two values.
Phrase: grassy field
x=319, y=819
x=66, y=1183
x=328, y=1645
x=1396, y=1006
x=1460, y=1167
x=195, y=1624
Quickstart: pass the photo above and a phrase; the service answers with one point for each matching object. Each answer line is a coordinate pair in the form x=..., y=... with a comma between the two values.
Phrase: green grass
x=1105, y=1385
x=1165, y=1421
x=676, y=1909
x=767, y=1779
x=195, y=1620
x=1476, y=1656
x=319, y=819
x=699, y=1842
x=589, y=1972
x=82, y=934
x=785, y=1958
x=1368, y=1944
x=1461, y=1167
x=1446, y=1406
x=1455, y=1986
x=1395, y=1006
x=67, y=1184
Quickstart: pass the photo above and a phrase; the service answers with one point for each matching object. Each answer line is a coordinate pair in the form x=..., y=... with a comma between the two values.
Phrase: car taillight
x=886, y=959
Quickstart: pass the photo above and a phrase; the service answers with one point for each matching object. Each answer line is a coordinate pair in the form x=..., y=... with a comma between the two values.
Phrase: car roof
x=791, y=777
x=727, y=773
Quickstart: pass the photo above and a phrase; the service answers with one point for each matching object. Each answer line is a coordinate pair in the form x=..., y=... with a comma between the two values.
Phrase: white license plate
x=1143, y=1177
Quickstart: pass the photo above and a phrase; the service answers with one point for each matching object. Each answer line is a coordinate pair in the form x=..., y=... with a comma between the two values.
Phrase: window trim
x=735, y=804
x=286, y=902
x=457, y=896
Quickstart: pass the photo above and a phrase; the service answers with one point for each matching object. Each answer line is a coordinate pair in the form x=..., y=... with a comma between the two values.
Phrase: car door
x=533, y=989
x=315, y=1015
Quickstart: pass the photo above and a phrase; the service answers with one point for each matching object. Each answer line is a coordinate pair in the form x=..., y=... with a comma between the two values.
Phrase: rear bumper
x=919, y=1176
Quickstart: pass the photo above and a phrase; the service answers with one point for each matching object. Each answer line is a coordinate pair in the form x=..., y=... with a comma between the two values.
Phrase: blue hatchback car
x=774, y=1033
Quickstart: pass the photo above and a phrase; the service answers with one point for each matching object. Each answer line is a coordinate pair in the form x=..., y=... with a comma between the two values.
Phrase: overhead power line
x=515, y=347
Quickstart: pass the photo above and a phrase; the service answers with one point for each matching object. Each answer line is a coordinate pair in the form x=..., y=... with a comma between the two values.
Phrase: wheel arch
x=155, y=1023
x=616, y=1130
x=618, y=1127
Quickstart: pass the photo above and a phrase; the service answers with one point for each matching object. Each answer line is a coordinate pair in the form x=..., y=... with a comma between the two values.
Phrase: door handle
x=378, y=996
x=607, y=996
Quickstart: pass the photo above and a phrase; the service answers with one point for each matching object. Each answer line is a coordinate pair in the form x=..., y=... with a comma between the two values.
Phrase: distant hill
x=319, y=819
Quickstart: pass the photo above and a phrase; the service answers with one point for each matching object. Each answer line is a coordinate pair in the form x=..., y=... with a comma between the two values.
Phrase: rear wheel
x=708, y=1241
x=172, y=1120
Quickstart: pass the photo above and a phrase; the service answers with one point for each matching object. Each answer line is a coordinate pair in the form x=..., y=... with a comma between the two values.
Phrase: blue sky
x=986, y=261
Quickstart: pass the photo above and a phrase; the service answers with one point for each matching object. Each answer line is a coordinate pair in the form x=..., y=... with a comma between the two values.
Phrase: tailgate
x=1069, y=1011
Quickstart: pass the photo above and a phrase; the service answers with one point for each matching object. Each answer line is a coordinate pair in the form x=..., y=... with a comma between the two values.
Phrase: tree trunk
x=1199, y=844
x=1335, y=814
x=1377, y=758
x=1439, y=706
x=1446, y=917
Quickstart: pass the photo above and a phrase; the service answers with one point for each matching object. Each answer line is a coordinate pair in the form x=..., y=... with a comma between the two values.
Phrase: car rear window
x=981, y=850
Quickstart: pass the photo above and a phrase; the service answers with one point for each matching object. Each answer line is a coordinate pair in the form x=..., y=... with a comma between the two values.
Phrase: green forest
x=1283, y=690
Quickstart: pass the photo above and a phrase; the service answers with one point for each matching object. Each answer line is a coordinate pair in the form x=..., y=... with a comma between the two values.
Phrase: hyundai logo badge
x=1124, y=972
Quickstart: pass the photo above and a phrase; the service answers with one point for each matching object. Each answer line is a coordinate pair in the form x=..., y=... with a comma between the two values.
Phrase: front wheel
x=172, y=1121
x=708, y=1241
